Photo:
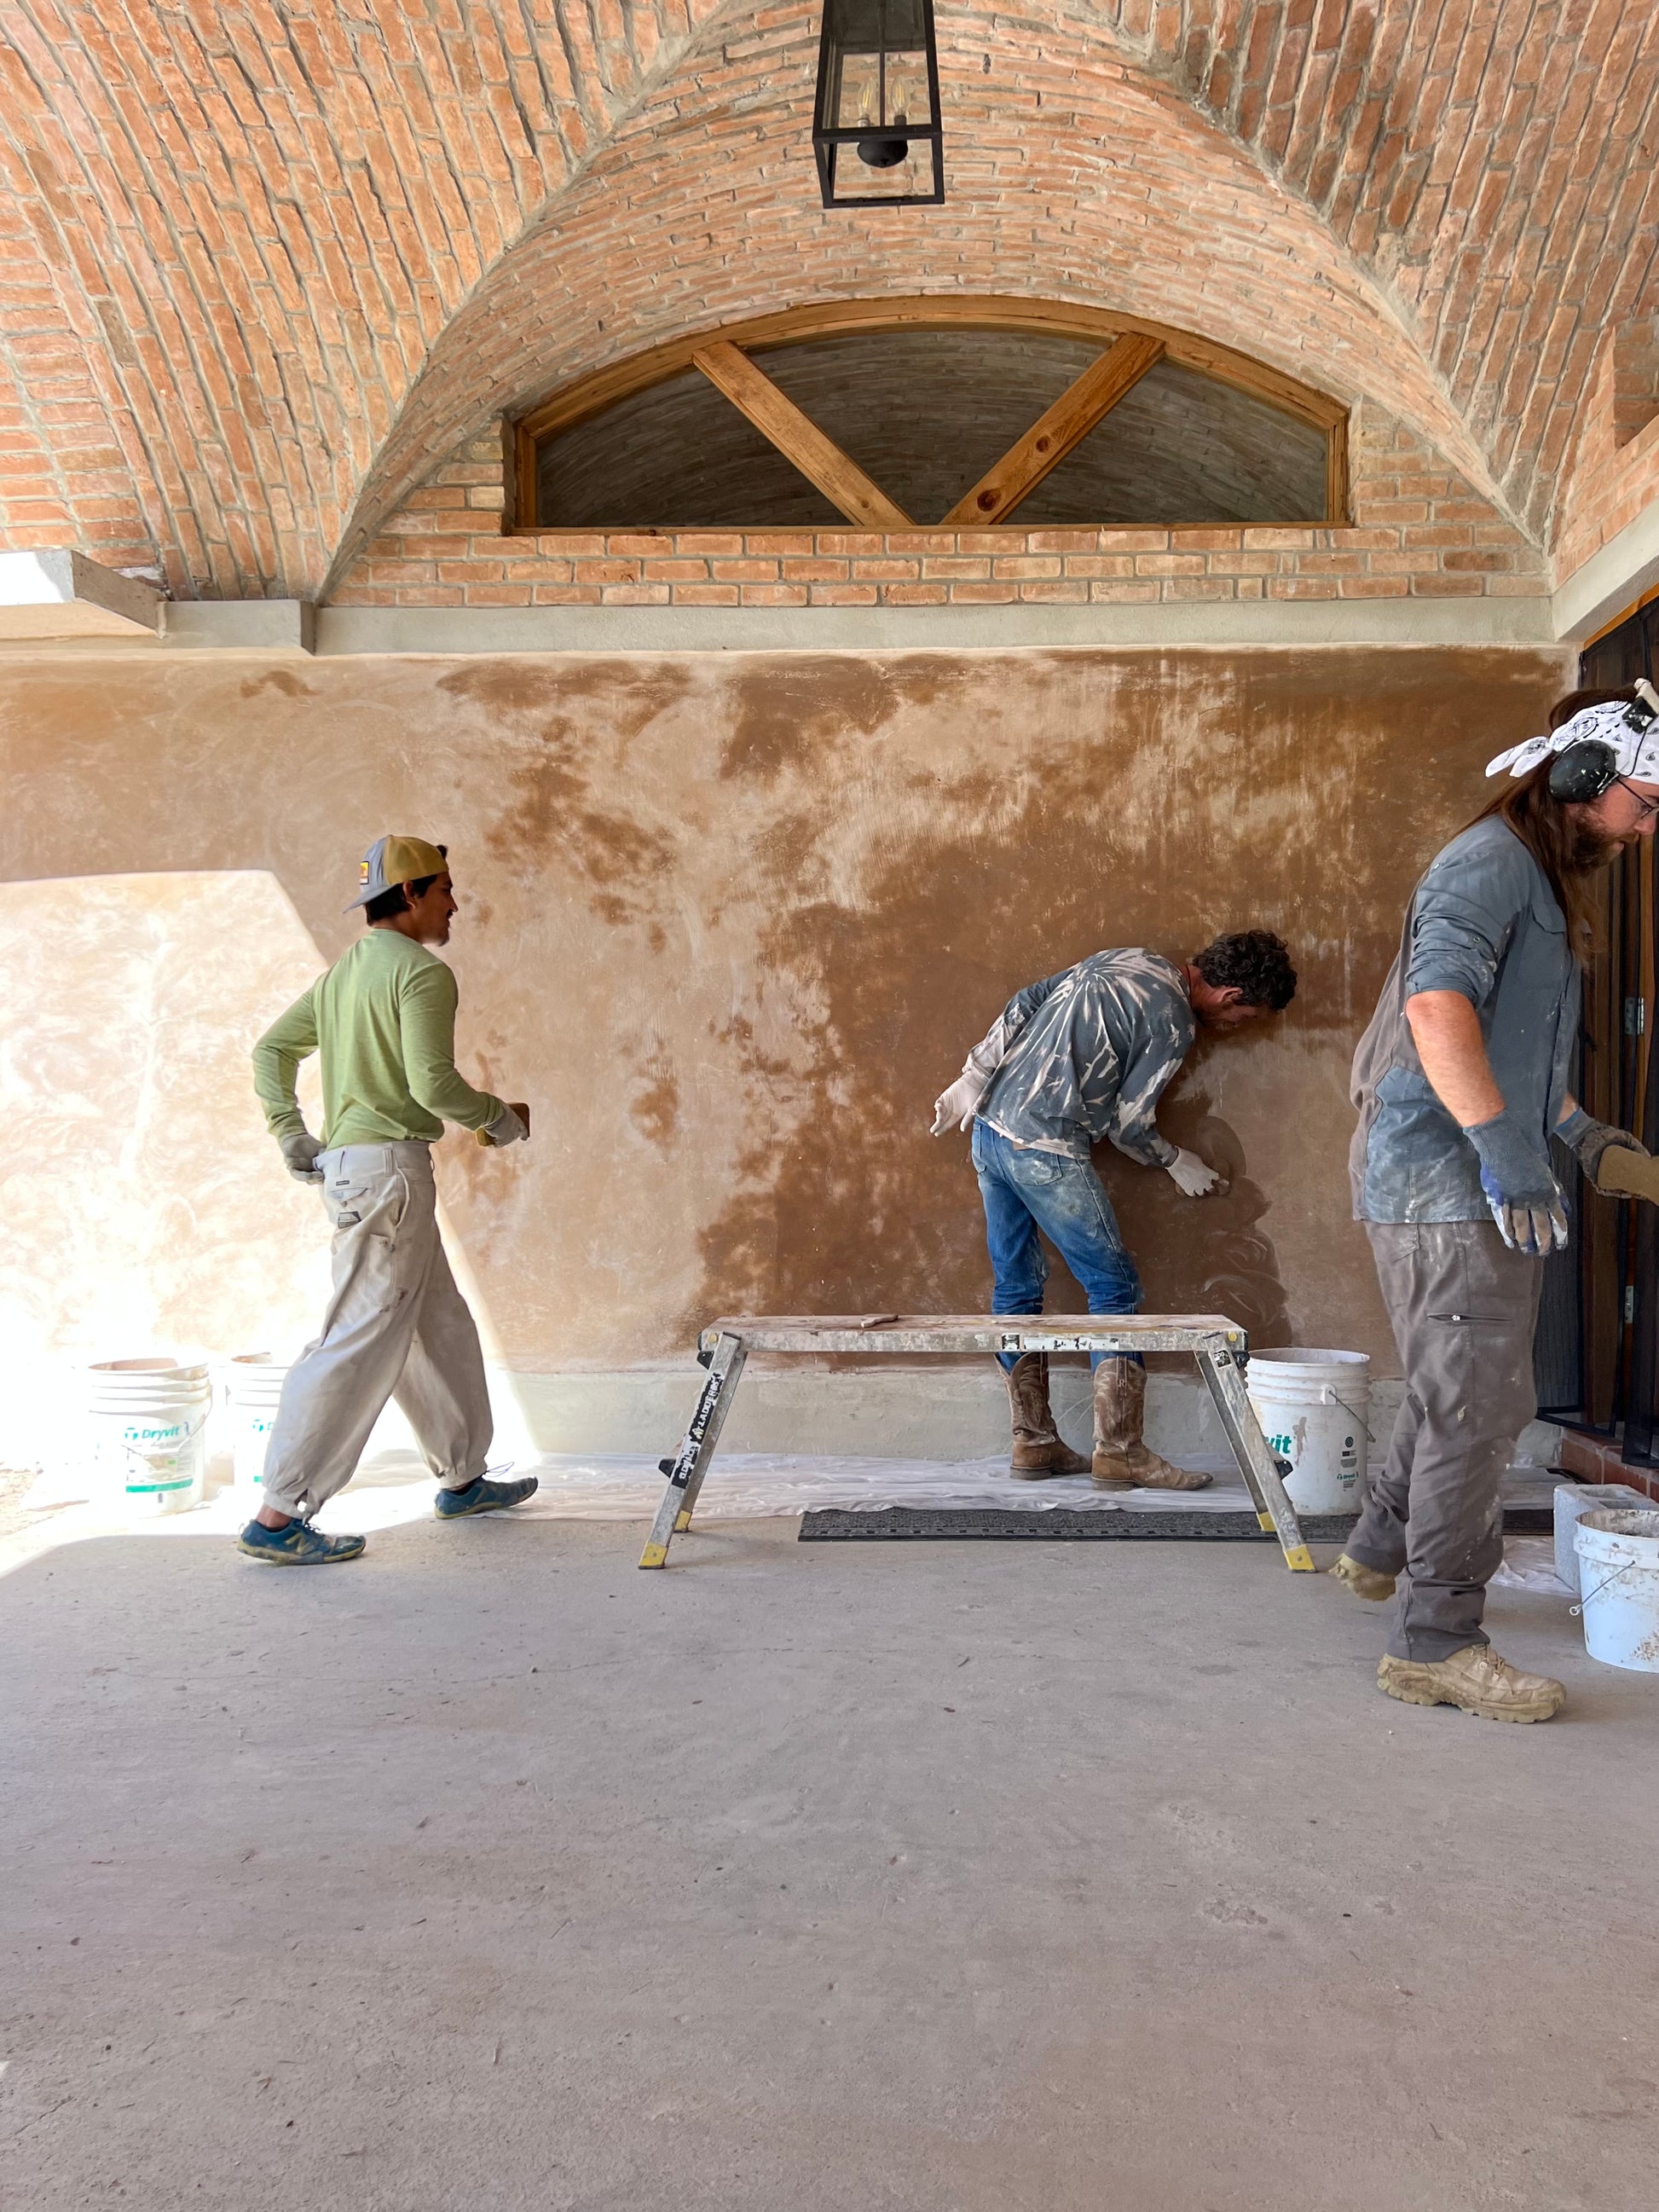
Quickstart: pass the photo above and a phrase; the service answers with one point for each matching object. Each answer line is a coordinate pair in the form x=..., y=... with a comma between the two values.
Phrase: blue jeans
x=1024, y=1191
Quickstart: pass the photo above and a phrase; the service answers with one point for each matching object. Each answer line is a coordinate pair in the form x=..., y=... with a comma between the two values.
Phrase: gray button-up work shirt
x=1483, y=922
x=1087, y=1053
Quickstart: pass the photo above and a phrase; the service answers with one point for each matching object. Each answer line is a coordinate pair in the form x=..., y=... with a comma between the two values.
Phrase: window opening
x=953, y=426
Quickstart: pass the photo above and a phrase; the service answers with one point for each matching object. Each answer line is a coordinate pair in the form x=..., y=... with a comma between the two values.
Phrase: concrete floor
x=491, y=1873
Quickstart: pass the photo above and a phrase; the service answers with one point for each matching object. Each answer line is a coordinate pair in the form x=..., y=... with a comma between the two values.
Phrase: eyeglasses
x=1649, y=806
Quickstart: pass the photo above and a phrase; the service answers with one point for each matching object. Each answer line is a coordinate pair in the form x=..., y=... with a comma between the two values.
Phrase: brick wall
x=1419, y=532
x=1615, y=472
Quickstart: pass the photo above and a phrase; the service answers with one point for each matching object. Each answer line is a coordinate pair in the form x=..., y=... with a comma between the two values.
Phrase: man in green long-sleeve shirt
x=383, y=1019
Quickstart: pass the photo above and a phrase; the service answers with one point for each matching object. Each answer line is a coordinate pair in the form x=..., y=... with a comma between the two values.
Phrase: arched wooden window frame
x=1130, y=346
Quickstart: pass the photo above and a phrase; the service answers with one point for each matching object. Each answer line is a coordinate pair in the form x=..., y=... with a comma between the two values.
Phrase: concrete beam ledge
x=241, y=625
x=1500, y=621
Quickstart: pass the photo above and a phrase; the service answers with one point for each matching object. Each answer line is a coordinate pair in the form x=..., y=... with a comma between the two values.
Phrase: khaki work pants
x=1463, y=1307
x=396, y=1327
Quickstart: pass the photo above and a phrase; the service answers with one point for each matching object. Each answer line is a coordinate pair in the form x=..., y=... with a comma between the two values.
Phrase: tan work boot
x=1369, y=1582
x=1122, y=1460
x=1474, y=1680
x=1038, y=1450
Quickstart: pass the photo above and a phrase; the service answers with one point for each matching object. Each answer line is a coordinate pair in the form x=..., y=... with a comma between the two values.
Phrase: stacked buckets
x=148, y=1427
x=148, y=1419
x=252, y=1385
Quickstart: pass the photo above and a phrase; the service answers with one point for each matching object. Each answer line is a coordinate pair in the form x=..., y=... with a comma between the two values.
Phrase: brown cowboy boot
x=1122, y=1460
x=1038, y=1451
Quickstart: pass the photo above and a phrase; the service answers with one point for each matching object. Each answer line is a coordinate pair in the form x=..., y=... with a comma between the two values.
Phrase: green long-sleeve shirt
x=384, y=1019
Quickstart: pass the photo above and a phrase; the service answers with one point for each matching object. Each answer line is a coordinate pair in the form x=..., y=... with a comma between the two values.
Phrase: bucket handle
x=1353, y=1416
x=1336, y=1398
x=1575, y=1610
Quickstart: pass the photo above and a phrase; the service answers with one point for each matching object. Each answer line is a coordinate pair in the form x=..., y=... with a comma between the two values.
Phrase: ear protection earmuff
x=1585, y=770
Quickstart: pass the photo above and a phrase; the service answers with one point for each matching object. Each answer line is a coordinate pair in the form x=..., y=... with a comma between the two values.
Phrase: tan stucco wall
x=730, y=923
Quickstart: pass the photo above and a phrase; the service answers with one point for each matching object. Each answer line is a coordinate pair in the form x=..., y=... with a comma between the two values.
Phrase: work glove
x=505, y=1129
x=955, y=1108
x=301, y=1152
x=1587, y=1139
x=1524, y=1197
x=1193, y=1177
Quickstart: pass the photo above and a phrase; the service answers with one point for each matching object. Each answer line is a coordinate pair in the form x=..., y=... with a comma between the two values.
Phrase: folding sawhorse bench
x=1219, y=1345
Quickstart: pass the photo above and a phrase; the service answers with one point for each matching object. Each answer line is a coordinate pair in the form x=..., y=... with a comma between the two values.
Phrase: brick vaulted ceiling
x=265, y=261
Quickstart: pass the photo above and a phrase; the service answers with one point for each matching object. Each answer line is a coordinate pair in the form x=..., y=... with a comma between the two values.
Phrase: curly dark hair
x=1256, y=961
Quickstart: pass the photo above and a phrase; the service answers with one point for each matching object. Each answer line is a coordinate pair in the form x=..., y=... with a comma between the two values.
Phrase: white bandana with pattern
x=1631, y=728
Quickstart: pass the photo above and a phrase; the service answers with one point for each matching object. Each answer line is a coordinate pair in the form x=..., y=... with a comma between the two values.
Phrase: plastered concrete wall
x=730, y=923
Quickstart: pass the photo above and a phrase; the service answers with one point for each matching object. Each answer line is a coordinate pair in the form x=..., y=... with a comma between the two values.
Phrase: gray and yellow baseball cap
x=391, y=860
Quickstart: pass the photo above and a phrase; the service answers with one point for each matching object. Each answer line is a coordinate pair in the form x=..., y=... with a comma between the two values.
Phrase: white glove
x=1193, y=1177
x=955, y=1108
x=505, y=1129
x=299, y=1151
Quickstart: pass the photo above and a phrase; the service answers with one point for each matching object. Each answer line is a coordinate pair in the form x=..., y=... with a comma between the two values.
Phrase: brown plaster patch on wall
x=567, y=808
x=283, y=680
x=654, y=1107
x=788, y=712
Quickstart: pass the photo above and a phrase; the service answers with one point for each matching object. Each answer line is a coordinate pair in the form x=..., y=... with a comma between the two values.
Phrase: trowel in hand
x=523, y=1112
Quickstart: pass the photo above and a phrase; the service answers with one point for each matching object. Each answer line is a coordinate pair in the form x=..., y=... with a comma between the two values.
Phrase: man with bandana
x=1459, y=1082
x=1082, y=1055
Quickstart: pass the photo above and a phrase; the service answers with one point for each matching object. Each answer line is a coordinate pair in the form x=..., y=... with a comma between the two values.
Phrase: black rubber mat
x=1059, y=1525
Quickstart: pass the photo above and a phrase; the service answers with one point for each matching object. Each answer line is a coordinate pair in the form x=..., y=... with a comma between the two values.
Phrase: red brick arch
x=262, y=270
x=1066, y=180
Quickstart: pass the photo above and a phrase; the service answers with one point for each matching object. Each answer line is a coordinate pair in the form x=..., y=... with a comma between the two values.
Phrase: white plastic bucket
x=1619, y=1567
x=1313, y=1407
x=252, y=1385
x=148, y=1419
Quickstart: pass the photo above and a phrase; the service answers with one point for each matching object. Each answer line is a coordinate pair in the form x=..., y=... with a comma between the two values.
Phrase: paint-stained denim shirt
x=1485, y=922
x=1086, y=1055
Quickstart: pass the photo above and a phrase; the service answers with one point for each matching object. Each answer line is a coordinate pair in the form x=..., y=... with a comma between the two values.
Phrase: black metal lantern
x=876, y=127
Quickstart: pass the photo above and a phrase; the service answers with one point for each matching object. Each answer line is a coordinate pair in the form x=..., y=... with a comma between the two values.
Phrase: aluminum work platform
x=1220, y=1346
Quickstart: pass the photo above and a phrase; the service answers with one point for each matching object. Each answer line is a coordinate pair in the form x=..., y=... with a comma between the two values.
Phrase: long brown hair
x=1551, y=833
x=1553, y=837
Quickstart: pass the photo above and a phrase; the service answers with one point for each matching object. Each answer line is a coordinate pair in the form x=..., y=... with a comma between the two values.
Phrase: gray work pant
x=1463, y=1307
x=396, y=1327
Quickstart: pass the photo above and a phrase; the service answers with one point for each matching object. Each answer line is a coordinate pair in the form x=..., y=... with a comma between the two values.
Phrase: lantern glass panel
x=914, y=176
x=883, y=88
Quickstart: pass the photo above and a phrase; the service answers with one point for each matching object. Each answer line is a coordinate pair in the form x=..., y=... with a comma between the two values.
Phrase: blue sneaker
x=484, y=1496
x=299, y=1544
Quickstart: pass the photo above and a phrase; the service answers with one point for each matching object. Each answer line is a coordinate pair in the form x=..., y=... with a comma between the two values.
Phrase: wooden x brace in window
x=1083, y=404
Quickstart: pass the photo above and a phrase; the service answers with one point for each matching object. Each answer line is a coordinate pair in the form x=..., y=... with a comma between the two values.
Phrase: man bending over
x=384, y=1019
x=1082, y=1055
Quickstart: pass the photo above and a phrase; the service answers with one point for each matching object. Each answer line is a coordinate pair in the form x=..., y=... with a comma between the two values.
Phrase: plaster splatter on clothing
x=1087, y=1053
x=1484, y=923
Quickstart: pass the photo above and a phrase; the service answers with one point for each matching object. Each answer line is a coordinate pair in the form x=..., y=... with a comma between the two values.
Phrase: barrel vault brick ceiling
x=266, y=263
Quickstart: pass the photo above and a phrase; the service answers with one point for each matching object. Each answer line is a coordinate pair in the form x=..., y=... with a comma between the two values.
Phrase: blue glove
x=1524, y=1196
